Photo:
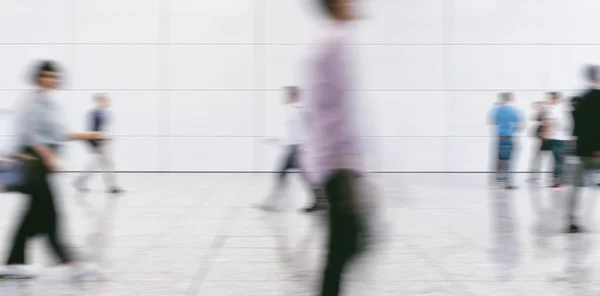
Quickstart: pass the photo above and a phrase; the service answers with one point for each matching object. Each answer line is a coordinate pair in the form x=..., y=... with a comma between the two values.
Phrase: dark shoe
x=511, y=187
x=267, y=207
x=116, y=191
x=315, y=207
x=556, y=186
x=574, y=229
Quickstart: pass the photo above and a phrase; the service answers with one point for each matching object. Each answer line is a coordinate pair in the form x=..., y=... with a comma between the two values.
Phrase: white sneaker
x=16, y=273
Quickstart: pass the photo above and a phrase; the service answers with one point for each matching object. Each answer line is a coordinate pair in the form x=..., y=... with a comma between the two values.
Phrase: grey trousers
x=585, y=166
x=101, y=158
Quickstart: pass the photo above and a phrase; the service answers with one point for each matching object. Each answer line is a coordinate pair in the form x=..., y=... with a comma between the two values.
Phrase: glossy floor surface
x=197, y=234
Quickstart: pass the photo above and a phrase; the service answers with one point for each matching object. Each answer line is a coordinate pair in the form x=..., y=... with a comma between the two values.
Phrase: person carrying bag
x=40, y=134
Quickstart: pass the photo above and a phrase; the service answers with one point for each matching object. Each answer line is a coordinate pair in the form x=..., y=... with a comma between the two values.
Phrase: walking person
x=557, y=132
x=587, y=131
x=539, y=114
x=40, y=135
x=509, y=122
x=101, y=155
x=571, y=159
x=333, y=144
x=293, y=149
x=593, y=176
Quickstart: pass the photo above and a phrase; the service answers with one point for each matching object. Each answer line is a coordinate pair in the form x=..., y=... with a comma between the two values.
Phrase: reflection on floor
x=197, y=234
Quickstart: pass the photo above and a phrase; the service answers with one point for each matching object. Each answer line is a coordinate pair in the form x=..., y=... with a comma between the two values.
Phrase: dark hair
x=591, y=73
x=553, y=94
x=44, y=66
x=505, y=96
x=328, y=6
x=292, y=90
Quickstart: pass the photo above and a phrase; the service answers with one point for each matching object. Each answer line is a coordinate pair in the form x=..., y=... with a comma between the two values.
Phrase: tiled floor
x=196, y=234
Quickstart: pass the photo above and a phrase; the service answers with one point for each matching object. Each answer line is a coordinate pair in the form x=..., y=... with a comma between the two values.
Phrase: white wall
x=196, y=83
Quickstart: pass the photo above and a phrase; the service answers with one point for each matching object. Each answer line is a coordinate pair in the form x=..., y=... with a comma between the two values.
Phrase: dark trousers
x=536, y=160
x=40, y=217
x=292, y=161
x=586, y=165
x=346, y=229
x=558, y=152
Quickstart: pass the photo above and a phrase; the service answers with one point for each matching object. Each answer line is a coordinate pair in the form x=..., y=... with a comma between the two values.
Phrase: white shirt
x=294, y=124
x=560, y=118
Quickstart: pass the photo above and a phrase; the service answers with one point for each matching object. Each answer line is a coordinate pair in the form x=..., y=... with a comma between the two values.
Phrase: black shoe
x=317, y=206
x=574, y=229
x=116, y=191
x=511, y=187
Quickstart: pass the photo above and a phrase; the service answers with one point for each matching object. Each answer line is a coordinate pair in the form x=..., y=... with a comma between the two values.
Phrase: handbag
x=13, y=172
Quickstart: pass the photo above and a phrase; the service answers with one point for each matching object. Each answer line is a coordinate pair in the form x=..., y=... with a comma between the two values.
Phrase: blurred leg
x=287, y=164
x=49, y=219
x=24, y=230
x=505, y=149
x=535, y=160
x=318, y=202
x=578, y=182
x=89, y=168
x=499, y=162
x=344, y=230
x=108, y=169
x=558, y=150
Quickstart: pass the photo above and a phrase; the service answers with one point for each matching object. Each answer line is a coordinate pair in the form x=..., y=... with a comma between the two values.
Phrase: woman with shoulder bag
x=41, y=132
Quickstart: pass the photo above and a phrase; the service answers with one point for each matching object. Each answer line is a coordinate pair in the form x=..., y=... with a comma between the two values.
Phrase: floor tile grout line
x=155, y=241
x=210, y=257
x=215, y=248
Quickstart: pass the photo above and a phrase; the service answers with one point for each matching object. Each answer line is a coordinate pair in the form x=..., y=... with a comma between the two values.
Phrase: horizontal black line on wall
x=279, y=90
x=267, y=137
x=297, y=44
x=275, y=172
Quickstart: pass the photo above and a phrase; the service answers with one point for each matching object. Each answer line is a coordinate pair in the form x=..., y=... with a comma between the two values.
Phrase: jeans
x=558, y=152
x=505, y=150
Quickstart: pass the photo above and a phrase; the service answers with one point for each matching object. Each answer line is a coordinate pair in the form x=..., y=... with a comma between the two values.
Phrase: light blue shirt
x=507, y=118
x=40, y=122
